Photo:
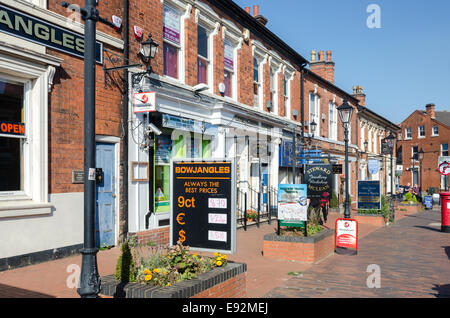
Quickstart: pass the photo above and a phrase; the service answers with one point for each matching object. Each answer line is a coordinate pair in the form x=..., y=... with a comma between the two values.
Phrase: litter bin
x=445, y=210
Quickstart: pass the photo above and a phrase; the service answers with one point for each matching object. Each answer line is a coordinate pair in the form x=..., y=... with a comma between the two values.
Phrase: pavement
x=411, y=257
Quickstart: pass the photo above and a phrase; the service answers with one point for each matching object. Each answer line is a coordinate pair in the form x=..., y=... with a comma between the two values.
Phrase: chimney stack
x=247, y=9
x=430, y=110
x=323, y=68
x=358, y=93
x=261, y=19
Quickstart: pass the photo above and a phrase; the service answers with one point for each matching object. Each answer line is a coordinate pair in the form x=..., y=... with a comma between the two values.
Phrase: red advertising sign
x=144, y=102
x=346, y=233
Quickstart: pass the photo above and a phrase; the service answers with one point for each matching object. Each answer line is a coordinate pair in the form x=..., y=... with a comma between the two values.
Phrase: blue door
x=105, y=194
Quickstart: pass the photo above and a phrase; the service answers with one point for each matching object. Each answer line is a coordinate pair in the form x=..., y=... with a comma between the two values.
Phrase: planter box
x=414, y=208
x=227, y=282
x=371, y=219
x=301, y=249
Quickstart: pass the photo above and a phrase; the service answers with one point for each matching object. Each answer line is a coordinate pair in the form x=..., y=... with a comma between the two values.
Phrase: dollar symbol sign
x=182, y=237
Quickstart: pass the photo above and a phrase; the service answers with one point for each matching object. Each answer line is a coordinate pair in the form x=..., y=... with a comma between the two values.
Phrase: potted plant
x=252, y=215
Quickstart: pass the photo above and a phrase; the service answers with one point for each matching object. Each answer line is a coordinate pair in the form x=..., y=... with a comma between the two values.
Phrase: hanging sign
x=203, y=208
x=44, y=33
x=346, y=234
x=144, y=102
x=373, y=166
x=444, y=165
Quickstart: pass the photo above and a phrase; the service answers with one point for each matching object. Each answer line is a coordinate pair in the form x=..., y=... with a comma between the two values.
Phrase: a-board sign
x=428, y=201
x=346, y=234
x=369, y=195
x=203, y=204
x=292, y=203
x=318, y=177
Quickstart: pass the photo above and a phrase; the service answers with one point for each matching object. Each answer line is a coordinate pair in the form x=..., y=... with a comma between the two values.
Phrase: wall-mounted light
x=148, y=51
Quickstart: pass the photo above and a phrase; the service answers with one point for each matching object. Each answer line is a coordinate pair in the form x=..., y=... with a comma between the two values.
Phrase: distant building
x=428, y=130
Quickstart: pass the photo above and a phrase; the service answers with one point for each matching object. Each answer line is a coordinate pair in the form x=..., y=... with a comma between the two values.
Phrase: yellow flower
x=224, y=257
x=195, y=255
x=169, y=284
x=147, y=272
x=148, y=277
x=164, y=273
x=156, y=270
x=219, y=263
x=216, y=254
x=219, y=258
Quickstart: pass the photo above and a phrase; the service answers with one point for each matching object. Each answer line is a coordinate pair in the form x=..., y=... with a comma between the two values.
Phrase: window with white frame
x=314, y=111
x=444, y=150
x=421, y=131
x=12, y=137
x=408, y=133
x=287, y=96
x=202, y=55
x=171, y=41
x=332, y=118
x=273, y=87
x=229, y=73
x=257, y=82
x=435, y=131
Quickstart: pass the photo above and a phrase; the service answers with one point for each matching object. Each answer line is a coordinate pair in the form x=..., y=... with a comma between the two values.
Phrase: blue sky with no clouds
x=403, y=65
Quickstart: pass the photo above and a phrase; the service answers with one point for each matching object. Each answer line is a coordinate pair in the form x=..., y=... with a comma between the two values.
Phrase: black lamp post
x=345, y=114
x=421, y=154
x=391, y=144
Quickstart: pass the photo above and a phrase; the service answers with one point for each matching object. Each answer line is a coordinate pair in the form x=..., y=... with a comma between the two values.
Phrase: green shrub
x=125, y=269
x=334, y=202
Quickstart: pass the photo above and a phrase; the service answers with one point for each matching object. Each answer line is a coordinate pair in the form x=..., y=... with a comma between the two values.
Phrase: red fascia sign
x=11, y=128
x=346, y=233
x=144, y=102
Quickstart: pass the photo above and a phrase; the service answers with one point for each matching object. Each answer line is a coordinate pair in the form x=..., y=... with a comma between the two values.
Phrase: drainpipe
x=125, y=101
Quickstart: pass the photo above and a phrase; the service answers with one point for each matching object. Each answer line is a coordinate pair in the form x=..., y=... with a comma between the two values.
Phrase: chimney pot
x=320, y=55
x=247, y=9
x=329, y=55
x=255, y=10
x=313, y=55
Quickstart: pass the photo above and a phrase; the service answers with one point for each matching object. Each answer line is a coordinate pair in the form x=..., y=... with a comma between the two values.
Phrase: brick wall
x=235, y=287
x=160, y=236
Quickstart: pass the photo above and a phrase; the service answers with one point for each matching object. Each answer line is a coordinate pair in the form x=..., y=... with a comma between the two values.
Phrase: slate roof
x=443, y=117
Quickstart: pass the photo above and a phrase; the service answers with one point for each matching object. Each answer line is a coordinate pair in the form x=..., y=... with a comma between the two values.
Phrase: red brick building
x=427, y=130
x=250, y=94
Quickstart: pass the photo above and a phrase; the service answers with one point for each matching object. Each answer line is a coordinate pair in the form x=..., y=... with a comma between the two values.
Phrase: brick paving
x=412, y=254
x=413, y=259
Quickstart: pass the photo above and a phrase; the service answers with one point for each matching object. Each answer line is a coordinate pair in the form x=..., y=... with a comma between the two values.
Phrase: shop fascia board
x=61, y=21
x=30, y=55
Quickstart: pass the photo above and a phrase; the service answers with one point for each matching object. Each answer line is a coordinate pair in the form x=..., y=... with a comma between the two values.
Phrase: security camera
x=154, y=129
x=200, y=87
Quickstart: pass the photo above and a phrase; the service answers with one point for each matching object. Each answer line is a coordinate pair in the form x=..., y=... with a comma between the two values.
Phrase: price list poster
x=203, y=205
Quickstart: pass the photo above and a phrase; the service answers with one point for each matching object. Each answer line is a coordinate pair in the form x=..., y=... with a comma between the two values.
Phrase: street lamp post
x=345, y=114
x=391, y=144
x=421, y=154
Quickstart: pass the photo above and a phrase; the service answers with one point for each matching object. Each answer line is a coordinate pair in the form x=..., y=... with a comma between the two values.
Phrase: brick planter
x=410, y=208
x=227, y=282
x=371, y=219
x=301, y=249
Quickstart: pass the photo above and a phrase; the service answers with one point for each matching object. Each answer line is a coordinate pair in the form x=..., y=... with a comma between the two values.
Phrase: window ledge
x=19, y=208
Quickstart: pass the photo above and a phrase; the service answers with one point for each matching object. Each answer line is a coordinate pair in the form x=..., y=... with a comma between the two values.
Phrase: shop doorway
x=105, y=212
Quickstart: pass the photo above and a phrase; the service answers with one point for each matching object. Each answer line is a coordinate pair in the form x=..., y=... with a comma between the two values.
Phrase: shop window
x=162, y=188
x=12, y=133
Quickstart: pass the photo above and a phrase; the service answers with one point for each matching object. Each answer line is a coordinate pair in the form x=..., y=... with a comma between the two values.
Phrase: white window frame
x=433, y=134
x=332, y=120
x=315, y=115
x=288, y=77
x=180, y=8
x=274, y=89
x=418, y=132
x=408, y=137
x=36, y=73
x=258, y=53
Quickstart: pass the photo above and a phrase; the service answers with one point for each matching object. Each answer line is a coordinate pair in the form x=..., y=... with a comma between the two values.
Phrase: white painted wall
x=28, y=234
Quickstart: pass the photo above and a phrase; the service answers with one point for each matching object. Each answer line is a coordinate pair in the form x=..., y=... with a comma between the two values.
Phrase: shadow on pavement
x=447, y=251
x=7, y=291
x=443, y=291
x=428, y=228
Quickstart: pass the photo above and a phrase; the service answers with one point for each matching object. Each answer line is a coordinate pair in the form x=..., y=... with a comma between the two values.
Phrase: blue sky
x=402, y=66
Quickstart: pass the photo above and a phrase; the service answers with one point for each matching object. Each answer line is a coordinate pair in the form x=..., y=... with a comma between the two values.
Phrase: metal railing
x=263, y=206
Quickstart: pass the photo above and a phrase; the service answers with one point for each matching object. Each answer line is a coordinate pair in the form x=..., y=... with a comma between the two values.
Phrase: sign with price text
x=203, y=204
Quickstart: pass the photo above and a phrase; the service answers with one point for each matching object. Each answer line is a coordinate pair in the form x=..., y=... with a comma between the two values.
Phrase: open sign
x=11, y=128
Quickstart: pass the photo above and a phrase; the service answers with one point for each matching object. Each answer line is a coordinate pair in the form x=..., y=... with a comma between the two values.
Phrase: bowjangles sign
x=42, y=32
